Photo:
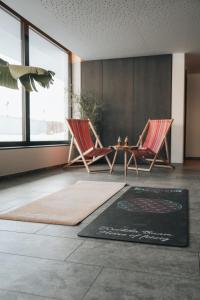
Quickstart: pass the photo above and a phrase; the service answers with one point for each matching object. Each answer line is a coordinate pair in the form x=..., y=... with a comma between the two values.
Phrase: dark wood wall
x=132, y=89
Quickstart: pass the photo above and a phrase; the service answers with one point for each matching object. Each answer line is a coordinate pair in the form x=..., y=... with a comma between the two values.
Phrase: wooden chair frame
x=82, y=155
x=154, y=162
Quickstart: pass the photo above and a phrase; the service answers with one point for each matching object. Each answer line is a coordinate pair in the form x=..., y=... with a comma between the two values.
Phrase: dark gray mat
x=145, y=215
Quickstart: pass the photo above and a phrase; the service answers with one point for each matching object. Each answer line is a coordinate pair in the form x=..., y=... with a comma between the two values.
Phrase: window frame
x=25, y=26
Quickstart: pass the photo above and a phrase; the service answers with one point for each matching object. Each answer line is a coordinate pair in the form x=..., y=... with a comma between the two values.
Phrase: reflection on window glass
x=48, y=107
x=10, y=100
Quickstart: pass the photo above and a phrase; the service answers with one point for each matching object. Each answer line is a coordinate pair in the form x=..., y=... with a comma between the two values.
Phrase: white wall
x=178, y=100
x=76, y=82
x=76, y=74
x=193, y=116
x=14, y=161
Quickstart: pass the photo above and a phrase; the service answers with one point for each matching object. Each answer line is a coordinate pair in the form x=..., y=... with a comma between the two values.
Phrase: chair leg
x=153, y=162
x=167, y=151
x=108, y=161
x=130, y=160
x=87, y=168
x=113, y=162
x=141, y=169
x=70, y=149
x=135, y=161
x=85, y=163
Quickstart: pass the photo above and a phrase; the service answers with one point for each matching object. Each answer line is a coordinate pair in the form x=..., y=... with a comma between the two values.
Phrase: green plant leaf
x=27, y=75
x=6, y=79
x=26, y=82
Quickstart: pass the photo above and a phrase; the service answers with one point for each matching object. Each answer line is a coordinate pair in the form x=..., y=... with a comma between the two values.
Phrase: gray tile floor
x=39, y=261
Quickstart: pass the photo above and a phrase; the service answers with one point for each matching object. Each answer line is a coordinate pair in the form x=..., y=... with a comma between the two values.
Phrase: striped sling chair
x=150, y=143
x=88, y=151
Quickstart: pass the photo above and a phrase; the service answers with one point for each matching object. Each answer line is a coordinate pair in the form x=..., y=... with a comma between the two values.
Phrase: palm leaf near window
x=10, y=74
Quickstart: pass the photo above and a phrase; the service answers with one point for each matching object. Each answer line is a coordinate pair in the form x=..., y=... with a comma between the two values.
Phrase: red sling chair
x=81, y=138
x=150, y=143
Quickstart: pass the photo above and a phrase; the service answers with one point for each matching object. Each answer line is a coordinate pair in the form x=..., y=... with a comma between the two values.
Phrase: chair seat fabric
x=98, y=152
x=142, y=152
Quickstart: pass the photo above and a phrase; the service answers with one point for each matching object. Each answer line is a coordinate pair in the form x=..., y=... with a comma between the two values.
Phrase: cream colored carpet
x=68, y=206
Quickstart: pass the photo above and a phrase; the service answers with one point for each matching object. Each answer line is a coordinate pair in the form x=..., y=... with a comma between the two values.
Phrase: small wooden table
x=125, y=149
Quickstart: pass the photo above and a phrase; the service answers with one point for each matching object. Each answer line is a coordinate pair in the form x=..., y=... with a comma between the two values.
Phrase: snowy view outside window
x=48, y=107
x=10, y=100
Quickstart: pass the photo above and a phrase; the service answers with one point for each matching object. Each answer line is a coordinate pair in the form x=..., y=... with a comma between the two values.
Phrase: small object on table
x=119, y=141
x=126, y=141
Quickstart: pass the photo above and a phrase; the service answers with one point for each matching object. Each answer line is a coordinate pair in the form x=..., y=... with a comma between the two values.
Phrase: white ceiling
x=96, y=29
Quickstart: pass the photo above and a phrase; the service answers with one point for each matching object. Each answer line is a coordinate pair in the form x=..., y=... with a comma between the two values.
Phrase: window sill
x=33, y=146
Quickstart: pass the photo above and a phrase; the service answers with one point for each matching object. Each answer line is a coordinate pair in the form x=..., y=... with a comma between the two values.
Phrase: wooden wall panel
x=133, y=90
x=151, y=89
x=118, y=99
x=91, y=77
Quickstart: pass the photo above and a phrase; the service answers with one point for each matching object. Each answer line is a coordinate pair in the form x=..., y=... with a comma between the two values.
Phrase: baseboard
x=36, y=171
x=192, y=158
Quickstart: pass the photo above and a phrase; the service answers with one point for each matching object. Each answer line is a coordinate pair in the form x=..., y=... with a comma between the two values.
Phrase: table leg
x=125, y=163
x=113, y=162
x=135, y=161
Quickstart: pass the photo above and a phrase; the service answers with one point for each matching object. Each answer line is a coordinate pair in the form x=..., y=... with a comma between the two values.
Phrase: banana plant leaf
x=11, y=74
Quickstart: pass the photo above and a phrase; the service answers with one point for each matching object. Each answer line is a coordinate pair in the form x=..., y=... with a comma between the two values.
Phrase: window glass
x=10, y=100
x=48, y=107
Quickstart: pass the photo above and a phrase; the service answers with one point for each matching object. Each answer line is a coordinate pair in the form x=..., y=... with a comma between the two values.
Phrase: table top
x=123, y=147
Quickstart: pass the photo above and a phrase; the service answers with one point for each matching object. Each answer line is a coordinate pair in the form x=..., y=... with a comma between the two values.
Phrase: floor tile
x=127, y=285
x=53, y=279
x=61, y=230
x=26, y=227
x=8, y=295
x=195, y=221
x=138, y=258
x=36, y=245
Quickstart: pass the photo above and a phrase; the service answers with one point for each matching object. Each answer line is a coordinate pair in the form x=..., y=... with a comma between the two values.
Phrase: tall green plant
x=90, y=106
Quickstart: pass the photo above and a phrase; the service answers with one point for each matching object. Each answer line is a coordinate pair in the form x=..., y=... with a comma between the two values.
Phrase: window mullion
x=26, y=95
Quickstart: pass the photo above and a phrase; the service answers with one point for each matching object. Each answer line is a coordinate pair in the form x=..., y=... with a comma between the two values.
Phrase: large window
x=36, y=117
x=48, y=107
x=10, y=100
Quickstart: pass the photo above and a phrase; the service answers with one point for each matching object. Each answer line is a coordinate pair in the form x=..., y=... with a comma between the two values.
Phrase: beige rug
x=68, y=206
